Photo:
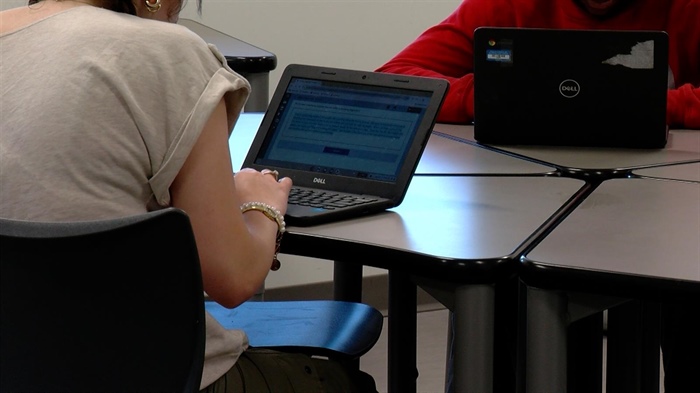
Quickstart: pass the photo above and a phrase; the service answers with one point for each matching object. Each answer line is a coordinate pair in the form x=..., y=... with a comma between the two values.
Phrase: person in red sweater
x=446, y=49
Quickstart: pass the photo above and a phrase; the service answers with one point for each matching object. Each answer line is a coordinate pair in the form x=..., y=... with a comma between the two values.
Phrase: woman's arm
x=235, y=249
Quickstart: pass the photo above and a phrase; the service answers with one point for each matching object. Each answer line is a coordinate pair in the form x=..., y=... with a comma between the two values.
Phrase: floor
x=430, y=352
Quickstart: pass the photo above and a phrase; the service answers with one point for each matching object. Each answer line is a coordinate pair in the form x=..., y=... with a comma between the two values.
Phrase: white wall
x=5, y=4
x=357, y=34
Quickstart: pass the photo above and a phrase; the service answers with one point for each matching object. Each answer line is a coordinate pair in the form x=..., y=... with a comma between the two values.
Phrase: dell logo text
x=569, y=88
x=319, y=180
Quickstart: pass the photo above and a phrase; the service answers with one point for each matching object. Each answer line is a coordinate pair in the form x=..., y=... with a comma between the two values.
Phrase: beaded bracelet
x=274, y=215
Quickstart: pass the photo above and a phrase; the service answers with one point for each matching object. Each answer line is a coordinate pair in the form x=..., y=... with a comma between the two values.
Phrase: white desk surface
x=491, y=216
x=630, y=226
x=682, y=146
x=443, y=155
x=463, y=218
x=687, y=172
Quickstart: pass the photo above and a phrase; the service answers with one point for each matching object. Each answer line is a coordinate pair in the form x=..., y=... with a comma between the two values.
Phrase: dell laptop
x=350, y=140
x=596, y=88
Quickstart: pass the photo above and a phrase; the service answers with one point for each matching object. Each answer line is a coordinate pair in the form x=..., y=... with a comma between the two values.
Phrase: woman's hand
x=263, y=186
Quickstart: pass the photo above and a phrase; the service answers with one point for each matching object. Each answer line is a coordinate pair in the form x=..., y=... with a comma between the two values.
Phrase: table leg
x=402, y=333
x=258, y=99
x=545, y=341
x=347, y=281
x=347, y=286
x=473, y=338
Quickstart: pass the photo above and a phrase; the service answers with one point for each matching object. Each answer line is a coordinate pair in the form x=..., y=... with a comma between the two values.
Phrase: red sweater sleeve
x=683, y=107
x=446, y=51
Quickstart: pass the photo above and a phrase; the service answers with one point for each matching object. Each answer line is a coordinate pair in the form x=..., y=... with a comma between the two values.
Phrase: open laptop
x=350, y=140
x=570, y=87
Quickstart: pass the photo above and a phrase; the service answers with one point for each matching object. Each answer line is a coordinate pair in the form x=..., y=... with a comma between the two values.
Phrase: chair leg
x=347, y=281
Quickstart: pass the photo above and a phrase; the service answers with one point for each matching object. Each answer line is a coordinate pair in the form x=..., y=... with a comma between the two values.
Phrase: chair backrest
x=113, y=305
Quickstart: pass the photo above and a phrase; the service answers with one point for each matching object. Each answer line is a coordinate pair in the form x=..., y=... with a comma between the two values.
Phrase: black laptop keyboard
x=325, y=199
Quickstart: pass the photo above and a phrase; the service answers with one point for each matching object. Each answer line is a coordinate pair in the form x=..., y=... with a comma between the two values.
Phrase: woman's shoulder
x=137, y=31
x=88, y=26
x=85, y=20
x=124, y=38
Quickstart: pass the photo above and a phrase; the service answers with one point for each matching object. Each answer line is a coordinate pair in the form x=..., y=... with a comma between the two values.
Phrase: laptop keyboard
x=325, y=199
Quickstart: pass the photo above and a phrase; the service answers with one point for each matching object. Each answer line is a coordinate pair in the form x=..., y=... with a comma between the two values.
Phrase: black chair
x=117, y=305
x=114, y=305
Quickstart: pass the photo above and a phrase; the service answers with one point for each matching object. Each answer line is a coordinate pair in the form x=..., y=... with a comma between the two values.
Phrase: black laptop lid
x=570, y=87
x=347, y=130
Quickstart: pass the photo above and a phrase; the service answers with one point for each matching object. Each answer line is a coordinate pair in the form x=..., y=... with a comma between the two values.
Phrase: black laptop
x=597, y=88
x=350, y=140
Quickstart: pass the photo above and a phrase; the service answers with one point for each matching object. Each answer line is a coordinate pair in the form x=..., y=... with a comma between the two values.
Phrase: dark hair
x=126, y=6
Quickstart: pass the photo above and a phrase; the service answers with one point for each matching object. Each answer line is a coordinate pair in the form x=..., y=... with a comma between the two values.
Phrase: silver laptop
x=350, y=140
x=570, y=87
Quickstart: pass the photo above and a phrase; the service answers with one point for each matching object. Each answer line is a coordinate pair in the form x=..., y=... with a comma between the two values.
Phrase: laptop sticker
x=641, y=56
x=500, y=51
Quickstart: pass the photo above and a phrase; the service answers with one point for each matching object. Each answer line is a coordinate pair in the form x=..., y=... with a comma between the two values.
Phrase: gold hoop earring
x=153, y=7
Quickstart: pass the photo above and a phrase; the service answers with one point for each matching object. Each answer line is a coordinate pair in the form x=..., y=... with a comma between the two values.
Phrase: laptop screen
x=345, y=129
